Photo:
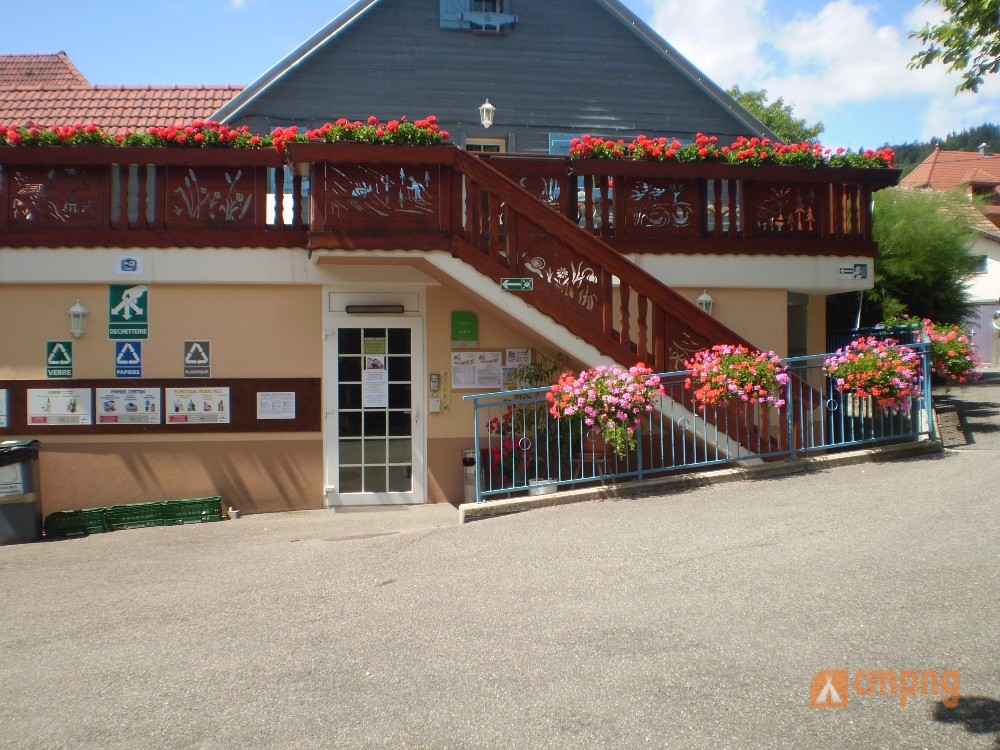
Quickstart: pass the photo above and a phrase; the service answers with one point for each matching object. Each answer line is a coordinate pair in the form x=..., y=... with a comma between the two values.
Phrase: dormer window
x=492, y=16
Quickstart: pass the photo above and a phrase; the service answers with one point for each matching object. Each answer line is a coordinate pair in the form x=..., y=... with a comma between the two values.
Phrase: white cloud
x=238, y=4
x=833, y=62
x=718, y=36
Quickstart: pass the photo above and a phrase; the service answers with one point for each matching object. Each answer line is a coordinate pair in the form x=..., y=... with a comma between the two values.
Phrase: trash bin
x=469, y=467
x=20, y=501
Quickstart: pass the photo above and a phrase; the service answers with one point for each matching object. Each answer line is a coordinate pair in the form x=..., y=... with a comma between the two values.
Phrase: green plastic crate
x=194, y=510
x=135, y=516
x=76, y=522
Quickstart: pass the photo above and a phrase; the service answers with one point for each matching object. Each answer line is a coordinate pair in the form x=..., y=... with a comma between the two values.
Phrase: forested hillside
x=909, y=155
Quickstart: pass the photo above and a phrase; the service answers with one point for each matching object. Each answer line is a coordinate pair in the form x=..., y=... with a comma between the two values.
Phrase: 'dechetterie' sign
x=128, y=311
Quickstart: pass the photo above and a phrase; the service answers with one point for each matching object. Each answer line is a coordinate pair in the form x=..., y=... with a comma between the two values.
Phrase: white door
x=374, y=436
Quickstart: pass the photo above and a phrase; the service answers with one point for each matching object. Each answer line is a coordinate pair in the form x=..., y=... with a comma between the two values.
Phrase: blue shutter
x=451, y=14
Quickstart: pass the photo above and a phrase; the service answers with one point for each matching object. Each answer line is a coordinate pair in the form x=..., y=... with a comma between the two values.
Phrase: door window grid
x=375, y=447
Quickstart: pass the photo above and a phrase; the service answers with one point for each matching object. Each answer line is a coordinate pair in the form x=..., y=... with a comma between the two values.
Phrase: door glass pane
x=375, y=423
x=400, y=479
x=350, y=452
x=349, y=341
x=349, y=369
x=399, y=395
x=349, y=395
x=375, y=451
x=400, y=450
x=399, y=423
x=375, y=480
x=399, y=341
x=350, y=478
x=350, y=423
x=399, y=368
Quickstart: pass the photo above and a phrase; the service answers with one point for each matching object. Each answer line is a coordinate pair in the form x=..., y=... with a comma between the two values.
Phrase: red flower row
x=211, y=134
x=743, y=150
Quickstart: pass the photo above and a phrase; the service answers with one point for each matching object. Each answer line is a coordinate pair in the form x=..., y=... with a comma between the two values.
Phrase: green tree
x=922, y=264
x=967, y=41
x=777, y=115
x=923, y=257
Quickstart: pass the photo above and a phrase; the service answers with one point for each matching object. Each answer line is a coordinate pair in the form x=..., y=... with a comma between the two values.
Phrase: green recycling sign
x=58, y=359
x=128, y=311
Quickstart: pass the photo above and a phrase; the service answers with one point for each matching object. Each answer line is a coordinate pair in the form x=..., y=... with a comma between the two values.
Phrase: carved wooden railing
x=579, y=280
x=695, y=207
x=445, y=198
x=100, y=196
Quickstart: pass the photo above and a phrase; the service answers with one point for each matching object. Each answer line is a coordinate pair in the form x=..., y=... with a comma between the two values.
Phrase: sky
x=839, y=62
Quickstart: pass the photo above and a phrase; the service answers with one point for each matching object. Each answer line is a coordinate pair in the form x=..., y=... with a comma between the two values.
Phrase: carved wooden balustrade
x=669, y=207
x=100, y=196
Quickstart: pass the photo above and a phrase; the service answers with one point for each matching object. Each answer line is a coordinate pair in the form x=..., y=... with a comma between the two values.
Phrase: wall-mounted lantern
x=486, y=112
x=705, y=302
x=77, y=319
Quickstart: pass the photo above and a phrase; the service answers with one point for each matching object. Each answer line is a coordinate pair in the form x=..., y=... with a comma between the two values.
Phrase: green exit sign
x=517, y=284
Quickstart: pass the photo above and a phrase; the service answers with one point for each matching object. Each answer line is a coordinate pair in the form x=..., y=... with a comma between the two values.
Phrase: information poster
x=374, y=383
x=4, y=408
x=518, y=358
x=276, y=405
x=128, y=406
x=375, y=345
x=481, y=371
x=197, y=405
x=59, y=406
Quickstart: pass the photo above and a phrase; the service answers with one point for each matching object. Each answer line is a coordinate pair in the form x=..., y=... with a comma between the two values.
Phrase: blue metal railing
x=903, y=334
x=521, y=447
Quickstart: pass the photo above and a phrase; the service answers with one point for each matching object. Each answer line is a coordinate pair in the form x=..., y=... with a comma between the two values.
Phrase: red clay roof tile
x=114, y=108
x=40, y=70
x=944, y=170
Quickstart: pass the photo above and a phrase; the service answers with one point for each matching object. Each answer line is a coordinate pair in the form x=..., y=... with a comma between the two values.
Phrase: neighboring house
x=263, y=325
x=977, y=173
x=48, y=90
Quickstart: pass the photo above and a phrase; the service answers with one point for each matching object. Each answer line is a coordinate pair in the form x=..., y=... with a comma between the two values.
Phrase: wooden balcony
x=100, y=196
x=670, y=207
x=563, y=223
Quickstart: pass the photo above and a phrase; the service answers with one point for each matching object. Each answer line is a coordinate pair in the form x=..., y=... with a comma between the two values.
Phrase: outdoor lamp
x=705, y=302
x=77, y=319
x=486, y=112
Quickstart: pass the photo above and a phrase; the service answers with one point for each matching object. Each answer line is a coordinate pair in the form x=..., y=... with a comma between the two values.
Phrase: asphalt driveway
x=693, y=620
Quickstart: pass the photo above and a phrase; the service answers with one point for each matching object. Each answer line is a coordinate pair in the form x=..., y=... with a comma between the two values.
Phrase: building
x=977, y=175
x=233, y=348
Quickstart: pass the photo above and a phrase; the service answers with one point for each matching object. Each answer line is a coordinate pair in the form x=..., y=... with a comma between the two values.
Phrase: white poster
x=276, y=405
x=128, y=406
x=375, y=383
x=481, y=371
x=518, y=358
x=463, y=370
x=4, y=408
x=59, y=406
x=197, y=405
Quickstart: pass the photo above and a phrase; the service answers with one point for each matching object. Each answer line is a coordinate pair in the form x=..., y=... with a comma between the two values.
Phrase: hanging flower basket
x=607, y=399
x=955, y=359
x=736, y=374
x=883, y=371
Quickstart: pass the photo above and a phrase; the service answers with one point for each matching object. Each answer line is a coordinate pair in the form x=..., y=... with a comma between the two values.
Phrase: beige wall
x=450, y=431
x=268, y=331
x=758, y=315
x=256, y=331
x=817, y=324
x=254, y=475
